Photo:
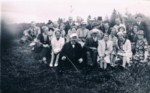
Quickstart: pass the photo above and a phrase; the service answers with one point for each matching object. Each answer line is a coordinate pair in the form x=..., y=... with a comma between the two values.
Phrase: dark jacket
x=132, y=36
x=90, y=43
x=41, y=39
x=72, y=53
x=104, y=31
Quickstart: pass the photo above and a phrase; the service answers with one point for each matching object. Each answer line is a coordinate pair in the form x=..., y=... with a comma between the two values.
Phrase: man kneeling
x=71, y=54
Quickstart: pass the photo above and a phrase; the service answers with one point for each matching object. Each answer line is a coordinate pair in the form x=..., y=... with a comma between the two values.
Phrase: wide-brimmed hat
x=140, y=32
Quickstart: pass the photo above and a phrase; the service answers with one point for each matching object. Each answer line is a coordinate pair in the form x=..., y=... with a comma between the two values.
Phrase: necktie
x=105, y=45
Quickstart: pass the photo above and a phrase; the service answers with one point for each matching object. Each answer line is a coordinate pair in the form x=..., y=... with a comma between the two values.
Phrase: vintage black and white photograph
x=75, y=46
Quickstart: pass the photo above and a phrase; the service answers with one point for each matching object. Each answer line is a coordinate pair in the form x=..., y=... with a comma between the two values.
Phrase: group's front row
x=95, y=51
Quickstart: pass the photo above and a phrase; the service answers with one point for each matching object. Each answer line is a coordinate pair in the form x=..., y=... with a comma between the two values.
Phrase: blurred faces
x=33, y=24
x=121, y=29
x=45, y=29
x=73, y=29
x=140, y=36
x=83, y=26
x=57, y=34
x=106, y=25
x=117, y=21
x=70, y=19
x=62, y=27
x=106, y=37
x=73, y=39
x=94, y=34
x=51, y=25
x=113, y=31
x=121, y=37
x=139, y=19
x=135, y=29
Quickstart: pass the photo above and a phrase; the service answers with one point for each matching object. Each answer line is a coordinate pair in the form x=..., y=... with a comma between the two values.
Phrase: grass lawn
x=21, y=73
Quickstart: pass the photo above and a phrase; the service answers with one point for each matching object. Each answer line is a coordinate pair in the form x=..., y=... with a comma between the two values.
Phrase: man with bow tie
x=71, y=54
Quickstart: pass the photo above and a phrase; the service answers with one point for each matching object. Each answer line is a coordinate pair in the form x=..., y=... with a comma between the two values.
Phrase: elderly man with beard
x=71, y=54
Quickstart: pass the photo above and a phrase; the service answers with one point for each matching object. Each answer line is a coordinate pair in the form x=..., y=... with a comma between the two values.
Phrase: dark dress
x=133, y=38
x=104, y=30
x=43, y=51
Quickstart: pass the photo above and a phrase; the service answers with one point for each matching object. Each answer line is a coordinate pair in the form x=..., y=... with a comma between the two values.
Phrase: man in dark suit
x=106, y=27
x=90, y=47
x=71, y=54
x=142, y=26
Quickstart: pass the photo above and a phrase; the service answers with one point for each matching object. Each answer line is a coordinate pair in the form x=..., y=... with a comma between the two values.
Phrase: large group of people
x=94, y=43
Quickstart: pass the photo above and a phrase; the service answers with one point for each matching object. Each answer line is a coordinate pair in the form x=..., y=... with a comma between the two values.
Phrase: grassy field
x=21, y=73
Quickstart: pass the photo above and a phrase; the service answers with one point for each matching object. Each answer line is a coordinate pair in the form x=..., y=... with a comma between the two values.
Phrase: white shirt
x=57, y=44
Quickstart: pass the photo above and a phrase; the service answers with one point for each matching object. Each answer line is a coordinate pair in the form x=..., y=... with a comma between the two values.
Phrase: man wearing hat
x=90, y=46
x=141, y=51
x=142, y=26
x=71, y=54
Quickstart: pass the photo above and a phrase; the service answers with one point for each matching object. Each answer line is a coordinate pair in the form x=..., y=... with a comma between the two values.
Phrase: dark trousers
x=91, y=58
